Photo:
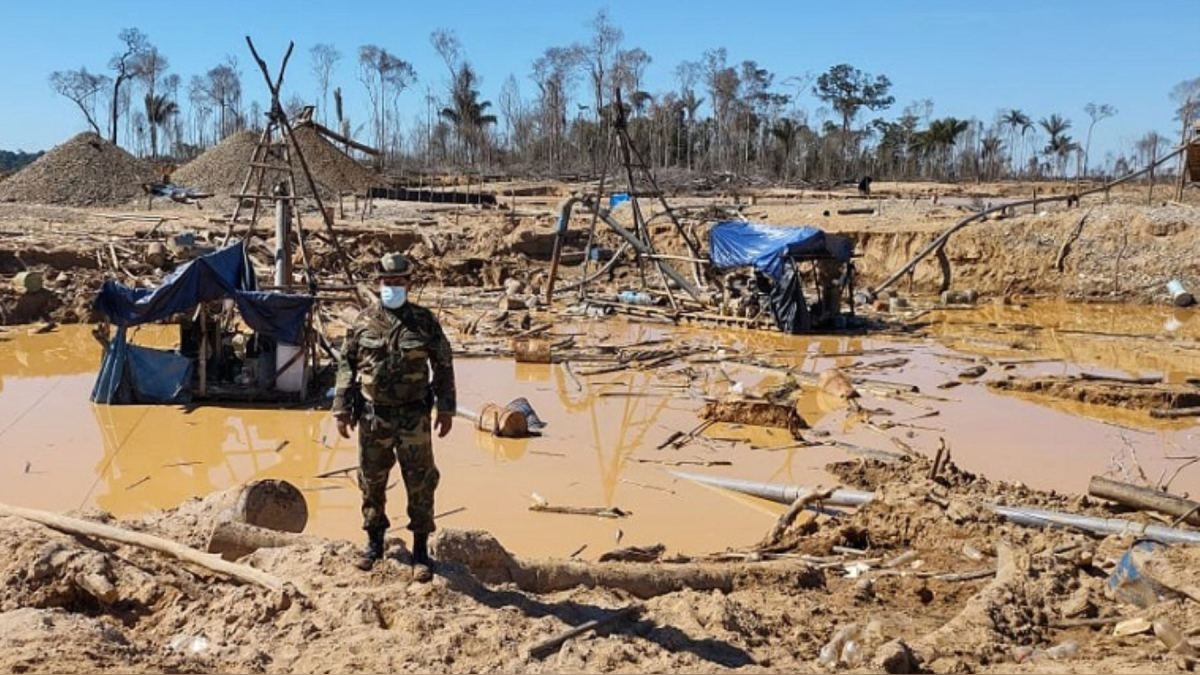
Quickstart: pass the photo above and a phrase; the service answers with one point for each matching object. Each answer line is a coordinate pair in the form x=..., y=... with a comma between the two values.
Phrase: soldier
x=384, y=388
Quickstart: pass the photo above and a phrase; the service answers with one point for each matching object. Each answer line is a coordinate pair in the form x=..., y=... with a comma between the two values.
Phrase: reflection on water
x=59, y=452
x=1164, y=339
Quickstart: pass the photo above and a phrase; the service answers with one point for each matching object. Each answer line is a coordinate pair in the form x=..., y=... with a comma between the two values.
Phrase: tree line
x=720, y=116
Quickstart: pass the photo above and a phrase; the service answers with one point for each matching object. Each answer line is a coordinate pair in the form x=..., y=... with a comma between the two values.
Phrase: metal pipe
x=1020, y=515
x=643, y=250
x=777, y=492
x=560, y=233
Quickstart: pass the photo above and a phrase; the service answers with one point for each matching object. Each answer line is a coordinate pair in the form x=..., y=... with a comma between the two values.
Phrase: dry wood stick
x=785, y=521
x=549, y=646
x=599, y=511
x=174, y=549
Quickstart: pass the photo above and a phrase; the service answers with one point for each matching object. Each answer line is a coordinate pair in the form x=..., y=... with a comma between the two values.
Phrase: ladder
x=275, y=156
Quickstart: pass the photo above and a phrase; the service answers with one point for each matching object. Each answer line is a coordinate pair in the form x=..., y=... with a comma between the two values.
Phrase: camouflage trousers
x=389, y=436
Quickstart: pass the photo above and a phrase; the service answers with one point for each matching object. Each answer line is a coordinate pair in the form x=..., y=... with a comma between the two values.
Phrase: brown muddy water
x=60, y=452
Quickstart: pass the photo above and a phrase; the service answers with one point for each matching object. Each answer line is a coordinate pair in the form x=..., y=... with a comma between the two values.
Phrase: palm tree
x=467, y=113
x=1025, y=128
x=1054, y=125
x=159, y=111
x=1060, y=147
x=940, y=138
x=691, y=103
x=1015, y=119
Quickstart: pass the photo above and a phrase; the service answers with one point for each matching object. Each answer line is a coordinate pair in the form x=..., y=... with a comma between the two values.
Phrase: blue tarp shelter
x=134, y=374
x=767, y=249
x=735, y=243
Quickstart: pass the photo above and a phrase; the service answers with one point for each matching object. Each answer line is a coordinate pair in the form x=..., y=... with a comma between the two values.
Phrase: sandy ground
x=1017, y=602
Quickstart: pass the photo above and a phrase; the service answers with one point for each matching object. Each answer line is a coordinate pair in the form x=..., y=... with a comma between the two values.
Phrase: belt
x=371, y=408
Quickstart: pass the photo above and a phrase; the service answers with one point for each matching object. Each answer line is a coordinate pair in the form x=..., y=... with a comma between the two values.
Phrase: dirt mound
x=222, y=168
x=85, y=171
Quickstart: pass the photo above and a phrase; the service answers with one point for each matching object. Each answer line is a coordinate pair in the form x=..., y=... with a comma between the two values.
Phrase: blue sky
x=971, y=58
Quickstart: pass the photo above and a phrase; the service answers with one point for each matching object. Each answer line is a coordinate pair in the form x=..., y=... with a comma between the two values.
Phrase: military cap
x=393, y=265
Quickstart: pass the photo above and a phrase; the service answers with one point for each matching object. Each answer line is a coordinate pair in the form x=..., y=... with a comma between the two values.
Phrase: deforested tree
x=448, y=46
x=384, y=76
x=151, y=67
x=628, y=70
x=1097, y=112
x=722, y=82
x=201, y=108
x=160, y=110
x=786, y=131
x=343, y=122
x=688, y=74
x=1186, y=95
x=293, y=105
x=554, y=73
x=848, y=90
x=989, y=153
x=125, y=64
x=222, y=85
x=81, y=88
x=324, y=59
x=517, y=122
x=601, y=53
x=174, y=131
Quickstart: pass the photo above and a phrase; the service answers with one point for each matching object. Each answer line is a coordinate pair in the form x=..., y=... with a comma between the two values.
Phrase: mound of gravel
x=222, y=168
x=85, y=171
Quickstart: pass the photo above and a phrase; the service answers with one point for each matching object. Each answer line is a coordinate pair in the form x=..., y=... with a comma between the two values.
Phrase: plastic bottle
x=635, y=298
x=831, y=653
x=1173, y=640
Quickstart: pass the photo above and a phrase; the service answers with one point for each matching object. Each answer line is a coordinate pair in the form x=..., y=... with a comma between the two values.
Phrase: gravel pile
x=85, y=171
x=222, y=168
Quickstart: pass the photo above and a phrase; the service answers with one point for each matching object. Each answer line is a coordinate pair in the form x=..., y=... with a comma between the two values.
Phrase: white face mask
x=393, y=297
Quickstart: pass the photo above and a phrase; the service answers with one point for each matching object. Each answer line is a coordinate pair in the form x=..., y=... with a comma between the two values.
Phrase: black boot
x=422, y=566
x=374, y=549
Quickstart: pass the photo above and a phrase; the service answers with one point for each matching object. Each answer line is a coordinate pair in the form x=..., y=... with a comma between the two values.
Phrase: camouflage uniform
x=387, y=358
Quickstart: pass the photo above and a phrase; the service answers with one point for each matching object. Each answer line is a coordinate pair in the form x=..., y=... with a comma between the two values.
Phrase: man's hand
x=444, y=421
x=345, y=424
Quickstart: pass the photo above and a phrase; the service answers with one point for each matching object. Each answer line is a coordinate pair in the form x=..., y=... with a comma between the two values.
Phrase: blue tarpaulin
x=135, y=374
x=736, y=243
x=223, y=274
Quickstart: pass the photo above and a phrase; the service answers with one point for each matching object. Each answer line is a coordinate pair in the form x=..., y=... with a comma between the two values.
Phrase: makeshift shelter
x=217, y=362
x=777, y=254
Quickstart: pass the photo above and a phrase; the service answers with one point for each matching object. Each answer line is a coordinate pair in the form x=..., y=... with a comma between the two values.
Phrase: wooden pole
x=1183, y=142
x=1144, y=499
x=203, y=353
x=174, y=549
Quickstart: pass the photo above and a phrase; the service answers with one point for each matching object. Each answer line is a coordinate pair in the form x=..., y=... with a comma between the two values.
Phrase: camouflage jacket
x=388, y=355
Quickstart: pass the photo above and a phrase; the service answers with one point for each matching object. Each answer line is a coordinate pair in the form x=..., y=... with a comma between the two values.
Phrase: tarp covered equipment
x=222, y=274
x=135, y=374
x=736, y=243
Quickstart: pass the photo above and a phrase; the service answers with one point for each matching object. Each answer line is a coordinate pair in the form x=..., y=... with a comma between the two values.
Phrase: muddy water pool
x=60, y=452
